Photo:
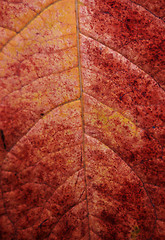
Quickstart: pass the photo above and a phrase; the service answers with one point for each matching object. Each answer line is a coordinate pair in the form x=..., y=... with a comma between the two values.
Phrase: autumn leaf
x=82, y=120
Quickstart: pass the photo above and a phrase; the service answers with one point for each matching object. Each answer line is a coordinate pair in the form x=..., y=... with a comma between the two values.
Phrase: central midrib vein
x=82, y=107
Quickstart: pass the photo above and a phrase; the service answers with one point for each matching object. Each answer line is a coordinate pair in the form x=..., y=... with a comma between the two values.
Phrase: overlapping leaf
x=82, y=120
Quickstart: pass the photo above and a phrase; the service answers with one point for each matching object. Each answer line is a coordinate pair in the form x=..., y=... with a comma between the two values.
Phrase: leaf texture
x=82, y=120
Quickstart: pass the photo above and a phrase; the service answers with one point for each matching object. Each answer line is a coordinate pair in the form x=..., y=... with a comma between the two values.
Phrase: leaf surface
x=82, y=120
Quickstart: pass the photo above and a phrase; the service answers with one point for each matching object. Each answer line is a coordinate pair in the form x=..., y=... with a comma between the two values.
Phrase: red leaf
x=82, y=120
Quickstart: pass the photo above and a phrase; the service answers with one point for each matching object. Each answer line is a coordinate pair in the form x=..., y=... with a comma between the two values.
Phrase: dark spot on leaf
x=108, y=217
x=121, y=96
x=132, y=157
x=3, y=138
x=43, y=223
x=127, y=26
x=128, y=20
x=144, y=93
x=89, y=177
x=106, y=12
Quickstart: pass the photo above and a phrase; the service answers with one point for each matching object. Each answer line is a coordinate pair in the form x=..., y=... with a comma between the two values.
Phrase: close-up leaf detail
x=82, y=120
